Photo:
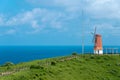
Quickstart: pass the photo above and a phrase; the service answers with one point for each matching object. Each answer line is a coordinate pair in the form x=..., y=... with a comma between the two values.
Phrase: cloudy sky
x=58, y=22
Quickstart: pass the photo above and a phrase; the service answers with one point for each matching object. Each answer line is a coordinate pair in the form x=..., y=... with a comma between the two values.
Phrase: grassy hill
x=80, y=67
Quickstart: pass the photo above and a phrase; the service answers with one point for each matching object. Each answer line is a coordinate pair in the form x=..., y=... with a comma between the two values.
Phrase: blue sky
x=58, y=22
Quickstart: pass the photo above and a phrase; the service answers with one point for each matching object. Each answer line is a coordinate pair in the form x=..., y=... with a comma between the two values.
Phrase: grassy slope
x=87, y=67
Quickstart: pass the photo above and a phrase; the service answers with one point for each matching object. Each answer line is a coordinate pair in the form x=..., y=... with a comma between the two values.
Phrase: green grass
x=81, y=67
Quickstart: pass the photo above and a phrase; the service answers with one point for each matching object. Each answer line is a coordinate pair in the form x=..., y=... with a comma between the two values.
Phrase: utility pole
x=82, y=34
x=82, y=24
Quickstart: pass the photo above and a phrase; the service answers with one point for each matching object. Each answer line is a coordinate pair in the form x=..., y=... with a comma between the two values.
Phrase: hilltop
x=75, y=67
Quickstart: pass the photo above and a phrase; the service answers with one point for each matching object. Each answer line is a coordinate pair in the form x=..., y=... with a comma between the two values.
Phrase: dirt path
x=11, y=72
x=26, y=68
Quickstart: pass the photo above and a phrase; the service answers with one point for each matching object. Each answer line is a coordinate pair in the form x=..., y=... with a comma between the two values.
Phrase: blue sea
x=17, y=54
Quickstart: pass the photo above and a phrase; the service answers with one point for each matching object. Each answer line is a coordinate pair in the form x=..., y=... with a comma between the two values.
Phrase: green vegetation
x=74, y=53
x=8, y=64
x=75, y=67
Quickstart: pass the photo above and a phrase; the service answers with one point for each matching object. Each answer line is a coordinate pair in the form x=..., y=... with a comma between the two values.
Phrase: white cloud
x=69, y=5
x=64, y=10
x=94, y=8
x=2, y=19
x=35, y=24
x=104, y=9
x=36, y=19
x=108, y=29
x=11, y=31
x=65, y=5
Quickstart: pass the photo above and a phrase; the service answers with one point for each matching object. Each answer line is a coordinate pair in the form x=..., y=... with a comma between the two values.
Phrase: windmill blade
x=92, y=33
x=93, y=40
x=95, y=30
x=93, y=37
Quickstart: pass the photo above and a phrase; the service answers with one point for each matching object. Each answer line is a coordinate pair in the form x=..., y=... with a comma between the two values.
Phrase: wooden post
x=112, y=50
x=106, y=50
x=117, y=51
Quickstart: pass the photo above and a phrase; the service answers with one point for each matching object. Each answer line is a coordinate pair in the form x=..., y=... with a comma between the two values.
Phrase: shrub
x=100, y=61
x=36, y=75
x=36, y=67
x=53, y=63
x=113, y=72
x=117, y=64
x=74, y=53
x=108, y=64
x=98, y=57
x=87, y=59
x=8, y=64
x=92, y=57
x=8, y=67
x=106, y=58
x=41, y=79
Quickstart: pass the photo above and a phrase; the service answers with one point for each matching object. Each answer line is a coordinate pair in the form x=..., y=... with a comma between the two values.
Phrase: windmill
x=97, y=40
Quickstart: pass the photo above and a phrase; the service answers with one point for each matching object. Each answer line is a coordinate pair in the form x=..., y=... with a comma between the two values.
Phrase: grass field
x=76, y=67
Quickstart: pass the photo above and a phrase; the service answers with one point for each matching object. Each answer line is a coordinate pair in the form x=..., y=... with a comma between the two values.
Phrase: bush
x=74, y=53
x=109, y=65
x=8, y=64
x=113, y=72
x=87, y=59
x=98, y=57
x=41, y=79
x=36, y=67
x=117, y=64
x=36, y=75
x=100, y=61
x=92, y=57
x=53, y=63
x=8, y=67
x=106, y=58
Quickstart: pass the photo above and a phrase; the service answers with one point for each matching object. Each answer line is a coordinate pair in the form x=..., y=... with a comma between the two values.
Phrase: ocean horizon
x=18, y=54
